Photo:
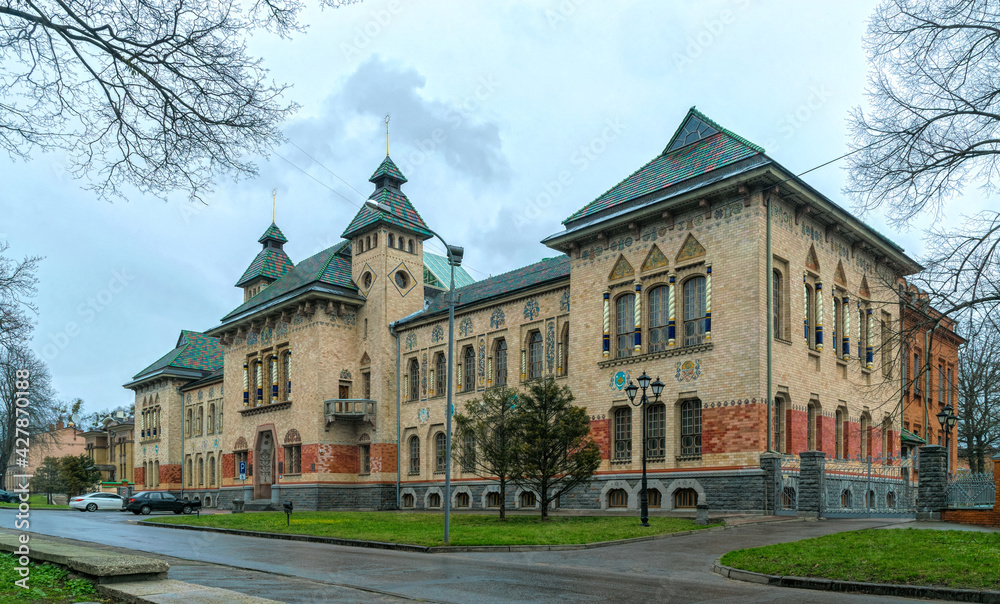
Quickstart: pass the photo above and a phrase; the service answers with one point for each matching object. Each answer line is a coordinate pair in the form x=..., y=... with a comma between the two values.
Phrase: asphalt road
x=677, y=569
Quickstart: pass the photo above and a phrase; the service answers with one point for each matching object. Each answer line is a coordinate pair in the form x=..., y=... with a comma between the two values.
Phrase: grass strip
x=47, y=584
x=427, y=528
x=958, y=559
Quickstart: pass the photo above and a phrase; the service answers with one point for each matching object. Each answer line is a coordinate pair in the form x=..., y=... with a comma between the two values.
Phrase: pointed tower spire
x=270, y=264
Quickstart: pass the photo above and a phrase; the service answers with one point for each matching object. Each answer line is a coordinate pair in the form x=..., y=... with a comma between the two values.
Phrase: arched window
x=780, y=410
x=623, y=433
x=392, y=240
x=863, y=335
x=776, y=308
x=500, y=362
x=654, y=498
x=841, y=428
x=440, y=452
x=469, y=453
x=866, y=435
x=812, y=411
x=211, y=418
x=441, y=377
x=656, y=431
x=536, y=357
x=685, y=498
x=187, y=426
x=886, y=438
x=493, y=499
x=414, y=455
x=156, y=474
x=462, y=500
x=190, y=472
x=201, y=421
x=402, y=243
x=408, y=501
x=288, y=375
x=694, y=311
x=659, y=315
x=414, y=380
x=617, y=498
x=201, y=471
x=469, y=369
x=527, y=499
x=565, y=349
x=624, y=324
x=211, y=470
x=691, y=427
x=409, y=245
x=375, y=240
x=810, y=317
x=368, y=243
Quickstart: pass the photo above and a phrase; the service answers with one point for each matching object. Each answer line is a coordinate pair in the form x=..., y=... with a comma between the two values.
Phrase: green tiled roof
x=387, y=168
x=270, y=262
x=273, y=232
x=720, y=148
x=194, y=350
x=911, y=437
x=440, y=270
x=548, y=269
x=332, y=266
x=401, y=207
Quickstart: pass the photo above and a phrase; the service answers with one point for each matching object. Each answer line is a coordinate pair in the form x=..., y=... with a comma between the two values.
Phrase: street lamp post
x=455, y=254
x=631, y=391
x=948, y=419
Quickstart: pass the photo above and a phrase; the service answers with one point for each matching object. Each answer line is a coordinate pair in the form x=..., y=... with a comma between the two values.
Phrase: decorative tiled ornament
x=622, y=269
x=564, y=302
x=691, y=249
x=411, y=341
x=655, y=259
x=531, y=309
x=437, y=334
x=688, y=371
x=497, y=319
x=465, y=327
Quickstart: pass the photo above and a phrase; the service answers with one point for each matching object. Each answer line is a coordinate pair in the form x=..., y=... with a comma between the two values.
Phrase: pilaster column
x=637, y=347
x=819, y=316
x=606, y=341
x=671, y=307
x=708, y=303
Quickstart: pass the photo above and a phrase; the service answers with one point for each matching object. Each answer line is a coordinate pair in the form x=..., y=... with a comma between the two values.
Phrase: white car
x=91, y=502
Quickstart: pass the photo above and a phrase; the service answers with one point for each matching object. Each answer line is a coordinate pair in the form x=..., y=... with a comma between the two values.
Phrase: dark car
x=7, y=497
x=147, y=502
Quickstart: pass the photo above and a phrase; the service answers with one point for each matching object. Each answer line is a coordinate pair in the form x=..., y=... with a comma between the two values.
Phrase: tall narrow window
x=659, y=316
x=535, y=355
x=623, y=433
x=916, y=373
x=500, y=362
x=293, y=459
x=941, y=384
x=656, y=431
x=414, y=380
x=862, y=335
x=366, y=384
x=565, y=349
x=811, y=426
x=414, y=455
x=469, y=369
x=866, y=435
x=691, y=427
x=841, y=428
x=211, y=418
x=810, y=317
x=288, y=375
x=950, y=393
x=780, y=409
x=409, y=245
x=904, y=368
x=469, y=453
x=838, y=323
x=365, y=453
x=441, y=375
x=776, y=308
x=440, y=452
x=694, y=311
x=392, y=240
x=884, y=342
x=625, y=322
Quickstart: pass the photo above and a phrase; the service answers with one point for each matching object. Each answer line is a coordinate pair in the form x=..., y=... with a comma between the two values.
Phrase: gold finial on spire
x=387, y=134
x=274, y=195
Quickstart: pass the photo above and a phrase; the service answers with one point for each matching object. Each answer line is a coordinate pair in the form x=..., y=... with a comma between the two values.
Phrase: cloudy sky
x=490, y=101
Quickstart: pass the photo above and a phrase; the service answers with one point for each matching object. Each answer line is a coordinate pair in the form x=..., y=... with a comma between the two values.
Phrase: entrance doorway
x=264, y=476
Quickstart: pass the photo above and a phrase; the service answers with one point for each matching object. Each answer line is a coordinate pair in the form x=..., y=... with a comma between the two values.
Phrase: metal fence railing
x=971, y=490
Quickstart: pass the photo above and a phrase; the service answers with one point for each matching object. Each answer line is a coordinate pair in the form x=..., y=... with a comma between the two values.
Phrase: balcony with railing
x=349, y=410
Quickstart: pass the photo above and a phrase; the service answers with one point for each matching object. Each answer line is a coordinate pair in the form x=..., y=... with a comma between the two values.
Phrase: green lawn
x=47, y=584
x=960, y=559
x=427, y=528
x=37, y=502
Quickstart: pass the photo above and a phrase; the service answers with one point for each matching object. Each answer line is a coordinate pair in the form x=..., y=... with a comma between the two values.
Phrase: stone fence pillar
x=770, y=463
x=996, y=482
x=932, y=490
x=810, y=495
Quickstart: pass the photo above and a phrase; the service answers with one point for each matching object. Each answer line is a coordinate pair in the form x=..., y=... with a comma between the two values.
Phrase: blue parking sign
x=243, y=468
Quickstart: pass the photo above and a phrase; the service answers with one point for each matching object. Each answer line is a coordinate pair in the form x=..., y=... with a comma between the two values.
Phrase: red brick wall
x=826, y=428
x=384, y=454
x=600, y=432
x=977, y=517
x=309, y=456
x=338, y=459
x=853, y=439
x=139, y=475
x=170, y=473
x=733, y=429
x=228, y=465
x=797, y=425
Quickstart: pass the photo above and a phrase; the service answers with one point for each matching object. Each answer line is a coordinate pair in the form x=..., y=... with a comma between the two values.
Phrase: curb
x=436, y=549
x=877, y=589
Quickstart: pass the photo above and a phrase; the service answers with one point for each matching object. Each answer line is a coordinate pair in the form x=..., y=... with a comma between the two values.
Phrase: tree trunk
x=503, y=499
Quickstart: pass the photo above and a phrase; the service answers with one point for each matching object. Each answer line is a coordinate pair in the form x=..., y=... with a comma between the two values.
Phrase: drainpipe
x=902, y=355
x=182, y=440
x=769, y=279
x=395, y=334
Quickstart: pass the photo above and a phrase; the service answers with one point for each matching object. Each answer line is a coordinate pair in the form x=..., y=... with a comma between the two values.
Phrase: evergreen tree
x=78, y=474
x=48, y=478
x=488, y=437
x=556, y=452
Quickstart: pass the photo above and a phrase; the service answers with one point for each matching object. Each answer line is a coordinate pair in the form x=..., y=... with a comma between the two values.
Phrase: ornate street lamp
x=947, y=419
x=631, y=391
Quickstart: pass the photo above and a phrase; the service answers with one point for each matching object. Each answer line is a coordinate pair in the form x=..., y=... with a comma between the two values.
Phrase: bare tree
x=27, y=401
x=979, y=390
x=159, y=95
x=17, y=287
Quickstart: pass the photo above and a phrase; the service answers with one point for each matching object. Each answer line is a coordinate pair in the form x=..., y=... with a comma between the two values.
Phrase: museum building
x=711, y=267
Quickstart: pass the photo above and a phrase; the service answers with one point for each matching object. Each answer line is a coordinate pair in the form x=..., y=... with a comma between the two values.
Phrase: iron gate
x=786, y=486
x=971, y=490
x=865, y=488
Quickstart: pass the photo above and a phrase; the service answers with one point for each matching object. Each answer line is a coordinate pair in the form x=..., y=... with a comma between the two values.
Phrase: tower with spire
x=270, y=264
